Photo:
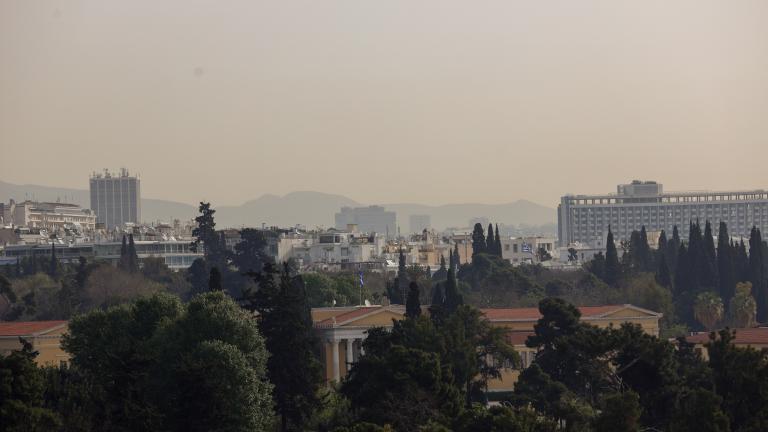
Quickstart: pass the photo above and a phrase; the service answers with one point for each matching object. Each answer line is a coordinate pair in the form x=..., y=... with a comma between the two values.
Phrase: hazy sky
x=385, y=101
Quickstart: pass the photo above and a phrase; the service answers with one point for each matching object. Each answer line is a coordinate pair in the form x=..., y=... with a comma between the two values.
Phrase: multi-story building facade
x=585, y=218
x=371, y=219
x=48, y=216
x=519, y=250
x=177, y=254
x=116, y=199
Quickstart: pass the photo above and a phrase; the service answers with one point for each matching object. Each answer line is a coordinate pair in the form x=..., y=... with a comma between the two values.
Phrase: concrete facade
x=585, y=218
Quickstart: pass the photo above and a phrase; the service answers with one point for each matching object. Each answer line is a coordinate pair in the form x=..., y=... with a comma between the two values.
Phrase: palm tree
x=743, y=307
x=708, y=309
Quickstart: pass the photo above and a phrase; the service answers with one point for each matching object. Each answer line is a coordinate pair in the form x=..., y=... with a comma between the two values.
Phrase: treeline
x=709, y=284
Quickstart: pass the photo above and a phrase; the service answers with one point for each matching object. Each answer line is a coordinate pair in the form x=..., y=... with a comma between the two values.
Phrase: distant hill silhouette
x=311, y=209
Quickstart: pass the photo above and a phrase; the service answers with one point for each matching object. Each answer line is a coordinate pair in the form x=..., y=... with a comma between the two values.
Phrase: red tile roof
x=533, y=314
x=744, y=336
x=346, y=316
x=26, y=328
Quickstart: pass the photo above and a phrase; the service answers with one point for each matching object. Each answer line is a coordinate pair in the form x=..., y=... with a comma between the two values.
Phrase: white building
x=48, y=216
x=116, y=199
x=519, y=250
x=585, y=218
x=341, y=247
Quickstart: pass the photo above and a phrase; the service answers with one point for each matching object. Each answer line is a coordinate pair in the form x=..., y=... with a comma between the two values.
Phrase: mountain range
x=308, y=208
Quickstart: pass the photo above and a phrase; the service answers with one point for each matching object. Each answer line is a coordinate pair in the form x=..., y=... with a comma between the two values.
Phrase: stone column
x=350, y=349
x=335, y=359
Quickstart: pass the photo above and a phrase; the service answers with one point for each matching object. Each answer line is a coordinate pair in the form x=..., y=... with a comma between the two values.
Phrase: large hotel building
x=585, y=218
x=116, y=198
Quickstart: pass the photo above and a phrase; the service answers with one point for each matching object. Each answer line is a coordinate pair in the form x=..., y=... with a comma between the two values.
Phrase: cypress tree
x=133, y=258
x=490, y=241
x=428, y=273
x=498, y=242
x=663, y=276
x=757, y=274
x=725, y=265
x=709, y=264
x=612, y=266
x=54, y=262
x=122, y=264
x=453, y=299
x=18, y=267
x=673, y=248
x=741, y=262
x=214, y=280
x=456, y=256
x=478, y=240
x=695, y=258
x=402, y=276
x=682, y=294
x=412, y=304
x=646, y=259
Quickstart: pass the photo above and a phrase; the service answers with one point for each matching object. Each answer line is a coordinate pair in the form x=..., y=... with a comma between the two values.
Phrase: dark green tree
x=673, y=247
x=478, y=240
x=620, y=412
x=498, y=241
x=205, y=234
x=453, y=298
x=402, y=276
x=612, y=266
x=21, y=393
x=725, y=265
x=53, y=270
x=757, y=274
x=709, y=265
x=250, y=252
x=663, y=276
x=286, y=323
x=133, y=258
x=412, y=304
x=214, y=280
x=198, y=276
x=123, y=264
x=490, y=241
x=456, y=256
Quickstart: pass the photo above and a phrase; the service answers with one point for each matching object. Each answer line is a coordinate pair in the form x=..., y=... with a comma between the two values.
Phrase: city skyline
x=382, y=104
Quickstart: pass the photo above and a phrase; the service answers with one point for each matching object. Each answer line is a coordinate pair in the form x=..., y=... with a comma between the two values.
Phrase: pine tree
x=206, y=234
x=498, y=242
x=757, y=274
x=412, y=304
x=612, y=266
x=490, y=241
x=133, y=258
x=214, y=280
x=725, y=268
x=478, y=240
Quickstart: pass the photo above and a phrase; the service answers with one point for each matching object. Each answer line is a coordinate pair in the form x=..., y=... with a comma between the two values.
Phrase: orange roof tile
x=533, y=314
x=744, y=336
x=26, y=328
x=346, y=316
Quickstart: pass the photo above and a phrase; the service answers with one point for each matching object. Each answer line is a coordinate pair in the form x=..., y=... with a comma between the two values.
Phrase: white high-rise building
x=116, y=198
x=585, y=218
x=371, y=219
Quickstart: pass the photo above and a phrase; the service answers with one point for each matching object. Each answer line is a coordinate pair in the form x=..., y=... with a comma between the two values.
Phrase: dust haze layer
x=431, y=102
x=311, y=209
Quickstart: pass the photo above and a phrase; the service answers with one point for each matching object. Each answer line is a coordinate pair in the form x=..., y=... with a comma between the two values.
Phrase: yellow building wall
x=49, y=349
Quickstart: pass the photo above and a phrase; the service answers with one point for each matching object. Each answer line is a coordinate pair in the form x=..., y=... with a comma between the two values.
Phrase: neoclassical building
x=342, y=330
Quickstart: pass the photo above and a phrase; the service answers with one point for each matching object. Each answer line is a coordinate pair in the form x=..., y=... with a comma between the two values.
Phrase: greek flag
x=526, y=248
x=361, y=279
